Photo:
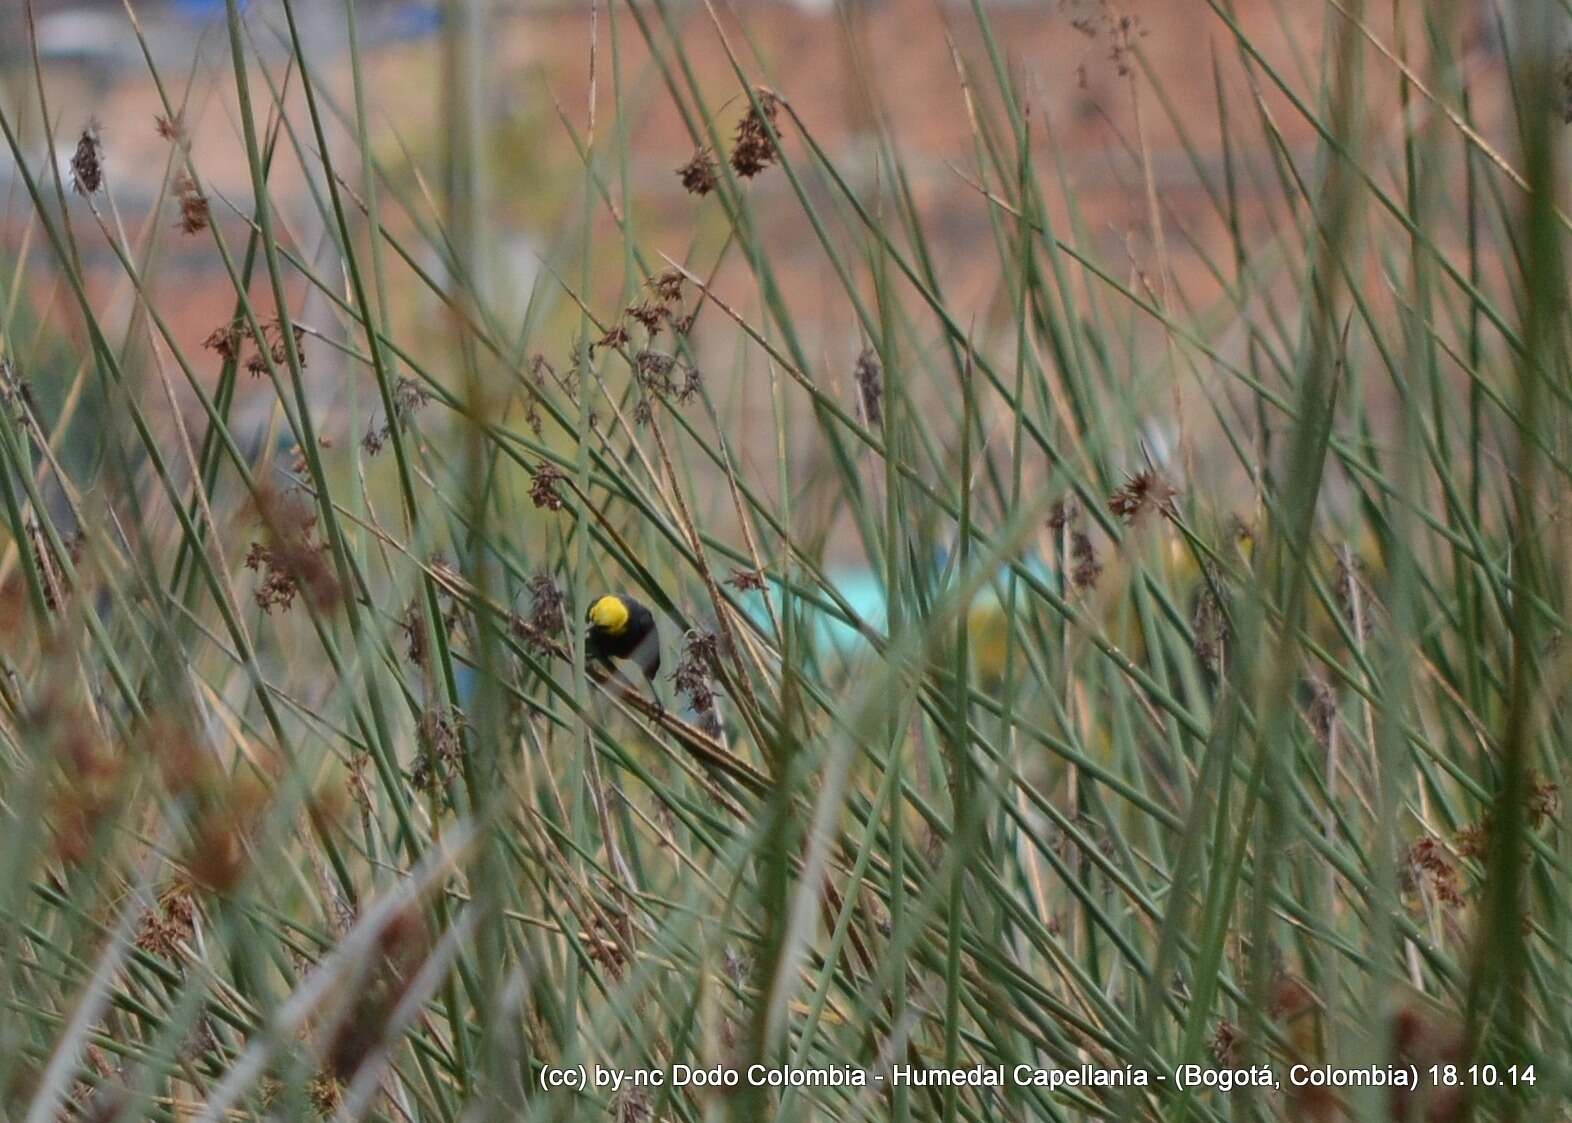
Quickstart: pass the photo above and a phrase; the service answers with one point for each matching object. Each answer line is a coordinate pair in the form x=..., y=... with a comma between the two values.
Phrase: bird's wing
x=647, y=654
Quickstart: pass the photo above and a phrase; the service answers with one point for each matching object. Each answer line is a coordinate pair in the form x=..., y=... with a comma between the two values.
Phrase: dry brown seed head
x=746, y=580
x=194, y=214
x=699, y=173
x=1428, y=866
x=755, y=149
x=615, y=338
x=87, y=163
x=1085, y=567
x=543, y=489
x=869, y=375
x=548, y=616
x=1145, y=491
x=651, y=314
x=667, y=285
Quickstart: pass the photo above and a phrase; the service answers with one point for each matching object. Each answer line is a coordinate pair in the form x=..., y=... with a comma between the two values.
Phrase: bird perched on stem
x=622, y=628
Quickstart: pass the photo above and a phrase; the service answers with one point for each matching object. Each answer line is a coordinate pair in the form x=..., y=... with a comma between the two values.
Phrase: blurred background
x=1127, y=104
x=847, y=70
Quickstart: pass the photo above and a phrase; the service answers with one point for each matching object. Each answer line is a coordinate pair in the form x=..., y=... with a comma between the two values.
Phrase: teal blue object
x=863, y=592
x=202, y=9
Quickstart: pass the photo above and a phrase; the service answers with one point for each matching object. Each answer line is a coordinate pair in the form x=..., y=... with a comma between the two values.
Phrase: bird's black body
x=622, y=628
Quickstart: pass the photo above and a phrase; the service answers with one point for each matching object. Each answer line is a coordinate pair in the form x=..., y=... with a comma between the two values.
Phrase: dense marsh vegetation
x=1156, y=667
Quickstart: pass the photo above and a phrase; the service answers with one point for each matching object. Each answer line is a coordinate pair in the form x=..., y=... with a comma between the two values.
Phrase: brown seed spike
x=1086, y=568
x=440, y=748
x=1142, y=492
x=755, y=148
x=615, y=338
x=870, y=387
x=225, y=341
x=700, y=652
x=653, y=316
x=543, y=490
x=691, y=386
x=746, y=580
x=1063, y=513
x=194, y=216
x=291, y=561
x=698, y=174
x=667, y=286
x=87, y=163
x=1428, y=867
x=548, y=616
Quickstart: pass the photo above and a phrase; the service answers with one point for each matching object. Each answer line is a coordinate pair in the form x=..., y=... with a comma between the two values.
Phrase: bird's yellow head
x=609, y=614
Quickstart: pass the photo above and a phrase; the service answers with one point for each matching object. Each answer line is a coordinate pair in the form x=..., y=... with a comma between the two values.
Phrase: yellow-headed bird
x=622, y=628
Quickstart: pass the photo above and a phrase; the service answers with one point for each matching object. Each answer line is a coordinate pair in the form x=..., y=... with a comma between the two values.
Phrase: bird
x=622, y=628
